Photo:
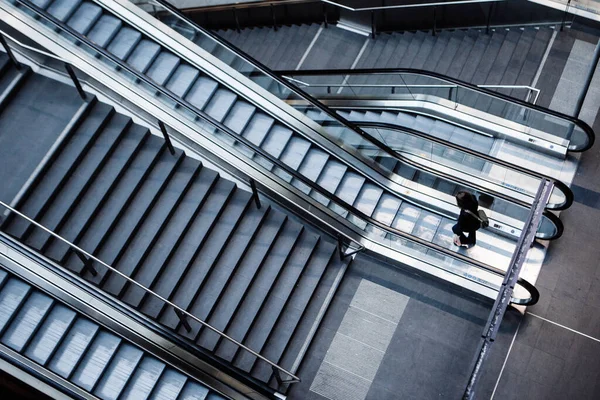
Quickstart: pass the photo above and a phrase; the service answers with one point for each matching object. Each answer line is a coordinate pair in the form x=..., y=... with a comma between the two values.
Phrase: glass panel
x=378, y=233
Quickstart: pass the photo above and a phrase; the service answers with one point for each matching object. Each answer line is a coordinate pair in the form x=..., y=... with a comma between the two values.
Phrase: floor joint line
x=564, y=327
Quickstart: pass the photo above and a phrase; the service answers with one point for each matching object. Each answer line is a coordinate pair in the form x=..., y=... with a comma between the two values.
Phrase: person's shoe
x=457, y=241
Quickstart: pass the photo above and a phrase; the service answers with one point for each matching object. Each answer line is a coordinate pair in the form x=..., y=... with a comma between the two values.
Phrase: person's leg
x=458, y=231
x=472, y=239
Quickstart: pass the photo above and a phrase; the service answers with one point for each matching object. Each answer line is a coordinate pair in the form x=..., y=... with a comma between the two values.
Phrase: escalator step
x=104, y=30
x=85, y=17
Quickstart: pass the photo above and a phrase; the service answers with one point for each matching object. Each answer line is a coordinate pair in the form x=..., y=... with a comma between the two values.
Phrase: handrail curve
x=275, y=161
x=387, y=71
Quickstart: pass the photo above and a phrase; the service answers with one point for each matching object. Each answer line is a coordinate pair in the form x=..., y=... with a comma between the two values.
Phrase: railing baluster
x=183, y=319
x=75, y=81
x=434, y=20
x=10, y=53
x=273, y=17
x=373, y=25
x=255, y=193
x=163, y=129
x=237, y=21
x=87, y=264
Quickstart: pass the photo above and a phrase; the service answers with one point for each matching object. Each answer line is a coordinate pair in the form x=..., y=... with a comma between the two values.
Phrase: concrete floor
x=549, y=351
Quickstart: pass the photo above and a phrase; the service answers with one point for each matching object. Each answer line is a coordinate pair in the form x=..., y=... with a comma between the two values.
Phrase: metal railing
x=80, y=252
x=181, y=313
x=413, y=5
x=531, y=91
x=503, y=299
x=533, y=294
x=557, y=119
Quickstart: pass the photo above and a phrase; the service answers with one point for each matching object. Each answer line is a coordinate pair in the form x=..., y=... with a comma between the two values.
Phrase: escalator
x=362, y=200
x=45, y=334
x=393, y=108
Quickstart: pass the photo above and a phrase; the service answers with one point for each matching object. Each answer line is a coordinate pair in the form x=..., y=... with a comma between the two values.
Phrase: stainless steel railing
x=178, y=310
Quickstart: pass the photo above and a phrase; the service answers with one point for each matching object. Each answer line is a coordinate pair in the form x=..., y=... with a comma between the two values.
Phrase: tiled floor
x=551, y=353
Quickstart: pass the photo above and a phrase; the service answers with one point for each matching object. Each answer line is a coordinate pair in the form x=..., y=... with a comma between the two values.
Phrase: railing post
x=325, y=14
x=9, y=52
x=237, y=21
x=393, y=89
x=562, y=24
x=340, y=248
x=328, y=89
x=450, y=92
x=163, y=129
x=373, y=25
x=273, y=16
x=489, y=18
x=184, y=321
x=255, y=193
x=75, y=81
x=87, y=264
x=434, y=19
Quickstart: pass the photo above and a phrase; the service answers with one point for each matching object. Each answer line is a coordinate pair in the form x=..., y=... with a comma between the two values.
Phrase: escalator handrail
x=569, y=197
x=387, y=71
x=278, y=78
x=40, y=12
x=552, y=217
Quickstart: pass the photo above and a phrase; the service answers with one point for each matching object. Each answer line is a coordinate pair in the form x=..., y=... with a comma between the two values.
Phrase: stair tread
x=143, y=55
x=244, y=277
x=171, y=238
x=26, y=320
x=163, y=67
x=50, y=334
x=143, y=380
x=117, y=240
x=108, y=178
x=71, y=150
x=89, y=239
x=182, y=79
x=84, y=18
x=201, y=270
x=104, y=30
x=237, y=318
x=304, y=261
x=72, y=347
x=80, y=179
x=149, y=229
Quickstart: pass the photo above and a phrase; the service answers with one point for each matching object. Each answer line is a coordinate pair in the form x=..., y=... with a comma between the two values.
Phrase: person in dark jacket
x=466, y=223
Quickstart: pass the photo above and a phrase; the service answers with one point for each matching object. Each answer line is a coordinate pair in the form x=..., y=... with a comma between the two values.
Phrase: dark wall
x=452, y=16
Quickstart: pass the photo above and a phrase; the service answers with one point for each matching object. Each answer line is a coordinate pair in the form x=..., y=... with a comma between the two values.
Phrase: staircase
x=53, y=336
x=505, y=56
x=175, y=226
x=299, y=152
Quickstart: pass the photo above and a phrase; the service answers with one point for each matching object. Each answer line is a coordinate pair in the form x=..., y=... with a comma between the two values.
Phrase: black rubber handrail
x=149, y=323
x=42, y=14
x=279, y=79
x=557, y=183
x=387, y=71
x=552, y=217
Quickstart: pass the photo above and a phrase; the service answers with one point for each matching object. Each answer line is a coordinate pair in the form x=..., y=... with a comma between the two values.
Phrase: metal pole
x=373, y=27
x=10, y=53
x=163, y=129
x=273, y=16
x=489, y=18
x=562, y=25
x=237, y=21
x=75, y=81
x=325, y=14
x=255, y=193
x=510, y=280
x=434, y=20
